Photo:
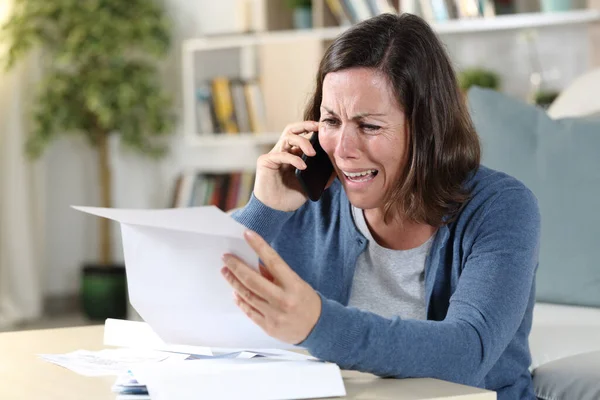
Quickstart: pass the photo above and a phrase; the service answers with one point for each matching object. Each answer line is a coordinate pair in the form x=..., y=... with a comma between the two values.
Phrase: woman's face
x=363, y=130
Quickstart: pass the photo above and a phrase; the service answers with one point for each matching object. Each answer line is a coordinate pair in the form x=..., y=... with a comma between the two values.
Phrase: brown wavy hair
x=444, y=148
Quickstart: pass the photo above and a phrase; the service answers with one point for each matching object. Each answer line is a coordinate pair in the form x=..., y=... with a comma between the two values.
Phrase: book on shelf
x=240, y=107
x=205, y=109
x=229, y=105
x=348, y=12
x=221, y=91
x=226, y=191
x=256, y=106
x=338, y=12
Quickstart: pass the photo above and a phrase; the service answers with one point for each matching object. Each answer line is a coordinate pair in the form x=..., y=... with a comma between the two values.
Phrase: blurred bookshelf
x=241, y=89
x=517, y=21
x=225, y=190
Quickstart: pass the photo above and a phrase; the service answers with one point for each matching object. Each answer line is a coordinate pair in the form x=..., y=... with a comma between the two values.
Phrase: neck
x=399, y=233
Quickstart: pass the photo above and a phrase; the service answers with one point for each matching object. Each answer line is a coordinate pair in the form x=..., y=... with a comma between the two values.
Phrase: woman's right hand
x=276, y=185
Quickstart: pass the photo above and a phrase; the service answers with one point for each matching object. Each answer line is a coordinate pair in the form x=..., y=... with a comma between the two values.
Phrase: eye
x=330, y=121
x=369, y=127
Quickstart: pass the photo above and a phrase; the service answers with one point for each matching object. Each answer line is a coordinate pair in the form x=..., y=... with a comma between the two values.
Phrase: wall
x=511, y=55
x=71, y=173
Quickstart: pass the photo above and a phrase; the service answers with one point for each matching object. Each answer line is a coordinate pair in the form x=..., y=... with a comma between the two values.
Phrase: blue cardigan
x=479, y=285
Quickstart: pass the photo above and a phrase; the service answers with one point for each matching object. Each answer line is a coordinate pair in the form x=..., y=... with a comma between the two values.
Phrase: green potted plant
x=302, y=13
x=100, y=78
x=478, y=77
x=544, y=98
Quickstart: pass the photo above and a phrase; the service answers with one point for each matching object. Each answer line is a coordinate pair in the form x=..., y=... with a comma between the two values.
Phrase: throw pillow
x=559, y=161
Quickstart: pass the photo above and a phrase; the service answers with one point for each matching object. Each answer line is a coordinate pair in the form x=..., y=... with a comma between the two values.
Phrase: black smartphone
x=318, y=170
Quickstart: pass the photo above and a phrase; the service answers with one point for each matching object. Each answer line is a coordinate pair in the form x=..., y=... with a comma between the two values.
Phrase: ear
x=407, y=132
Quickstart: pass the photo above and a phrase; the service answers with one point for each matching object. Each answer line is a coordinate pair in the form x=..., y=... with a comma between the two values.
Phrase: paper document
x=139, y=335
x=135, y=334
x=261, y=378
x=109, y=361
x=173, y=263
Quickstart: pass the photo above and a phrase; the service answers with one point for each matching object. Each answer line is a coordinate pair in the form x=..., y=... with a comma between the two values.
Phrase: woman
x=416, y=261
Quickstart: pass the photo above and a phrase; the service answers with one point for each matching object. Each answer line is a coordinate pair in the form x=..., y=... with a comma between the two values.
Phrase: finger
x=242, y=291
x=272, y=261
x=265, y=272
x=298, y=129
x=297, y=151
x=256, y=316
x=299, y=141
x=302, y=127
x=276, y=160
x=250, y=283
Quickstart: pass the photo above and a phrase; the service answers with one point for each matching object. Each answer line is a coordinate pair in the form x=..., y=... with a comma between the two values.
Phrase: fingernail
x=225, y=257
x=249, y=234
x=224, y=271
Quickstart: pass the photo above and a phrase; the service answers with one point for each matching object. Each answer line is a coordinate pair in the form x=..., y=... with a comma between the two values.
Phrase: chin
x=364, y=202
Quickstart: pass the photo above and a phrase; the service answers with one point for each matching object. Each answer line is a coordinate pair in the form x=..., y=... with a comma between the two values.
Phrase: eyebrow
x=357, y=116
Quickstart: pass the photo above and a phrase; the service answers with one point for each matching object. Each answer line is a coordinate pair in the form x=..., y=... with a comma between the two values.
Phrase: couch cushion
x=575, y=377
x=561, y=331
x=559, y=161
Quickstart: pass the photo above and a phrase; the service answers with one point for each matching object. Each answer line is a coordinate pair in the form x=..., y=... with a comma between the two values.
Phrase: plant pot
x=302, y=18
x=556, y=5
x=104, y=292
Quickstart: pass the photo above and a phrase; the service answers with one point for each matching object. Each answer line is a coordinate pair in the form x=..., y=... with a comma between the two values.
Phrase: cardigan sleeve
x=265, y=221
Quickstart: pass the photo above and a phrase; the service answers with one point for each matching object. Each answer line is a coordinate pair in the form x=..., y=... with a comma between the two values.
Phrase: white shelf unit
x=249, y=47
x=242, y=53
x=285, y=63
x=243, y=57
x=239, y=139
x=517, y=21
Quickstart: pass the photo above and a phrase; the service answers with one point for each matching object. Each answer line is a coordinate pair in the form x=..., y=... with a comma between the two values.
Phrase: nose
x=347, y=146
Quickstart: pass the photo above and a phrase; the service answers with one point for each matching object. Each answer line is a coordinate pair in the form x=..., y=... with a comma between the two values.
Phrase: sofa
x=558, y=158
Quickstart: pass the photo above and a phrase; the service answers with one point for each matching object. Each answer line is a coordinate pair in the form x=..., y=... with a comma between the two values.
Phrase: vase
x=104, y=292
x=302, y=18
x=556, y=5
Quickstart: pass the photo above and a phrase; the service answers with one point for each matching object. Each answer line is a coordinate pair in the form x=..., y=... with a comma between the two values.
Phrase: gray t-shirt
x=389, y=282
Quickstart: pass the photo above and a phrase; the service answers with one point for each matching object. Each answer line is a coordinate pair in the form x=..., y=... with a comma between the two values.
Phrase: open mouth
x=361, y=176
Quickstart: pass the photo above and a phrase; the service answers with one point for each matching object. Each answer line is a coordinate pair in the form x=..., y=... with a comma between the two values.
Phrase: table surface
x=23, y=375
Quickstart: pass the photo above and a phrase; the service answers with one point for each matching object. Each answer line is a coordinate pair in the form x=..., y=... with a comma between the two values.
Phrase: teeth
x=357, y=174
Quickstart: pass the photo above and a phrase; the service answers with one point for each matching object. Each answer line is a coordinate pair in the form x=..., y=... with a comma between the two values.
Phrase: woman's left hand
x=276, y=298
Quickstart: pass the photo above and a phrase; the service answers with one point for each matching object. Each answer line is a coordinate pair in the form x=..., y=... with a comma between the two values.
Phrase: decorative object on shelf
x=540, y=91
x=478, y=77
x=100, y=78
x=556, y=5
x=302, y=13
x=348, y=12
x=505, y=7
x=545, y=98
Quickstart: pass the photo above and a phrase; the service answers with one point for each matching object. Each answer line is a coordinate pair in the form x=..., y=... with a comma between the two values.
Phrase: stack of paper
x=173, y=263
x=257, y=378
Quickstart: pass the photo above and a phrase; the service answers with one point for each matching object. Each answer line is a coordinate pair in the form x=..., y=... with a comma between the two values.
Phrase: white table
x=24, y=376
